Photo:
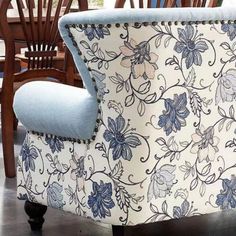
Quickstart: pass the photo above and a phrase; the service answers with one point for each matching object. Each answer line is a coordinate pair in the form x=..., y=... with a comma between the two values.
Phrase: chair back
x=165, y=82
x=41, y=31
x=83, y=5
x=166, y=3
x=39, y=25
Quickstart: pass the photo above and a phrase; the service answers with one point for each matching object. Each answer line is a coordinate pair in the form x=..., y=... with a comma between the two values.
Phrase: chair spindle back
x=167, y=3
x=40, y=29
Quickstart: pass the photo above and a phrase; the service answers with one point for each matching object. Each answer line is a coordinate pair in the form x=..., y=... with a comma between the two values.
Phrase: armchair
x=152, y=137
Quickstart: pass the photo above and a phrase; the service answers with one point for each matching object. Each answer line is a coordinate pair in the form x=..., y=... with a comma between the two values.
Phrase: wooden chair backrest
x=83, y=4
x=166, y=3
x=40, y=29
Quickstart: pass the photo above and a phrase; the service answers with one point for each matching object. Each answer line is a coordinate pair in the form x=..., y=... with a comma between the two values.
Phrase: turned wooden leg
x=35, y=212
x=118, y=230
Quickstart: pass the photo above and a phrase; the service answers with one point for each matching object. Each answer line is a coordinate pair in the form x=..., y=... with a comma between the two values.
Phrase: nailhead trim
x=154, y=23
x=79, y=141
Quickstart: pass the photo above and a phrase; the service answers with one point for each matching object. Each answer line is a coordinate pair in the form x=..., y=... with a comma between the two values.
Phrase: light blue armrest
x=57, y=109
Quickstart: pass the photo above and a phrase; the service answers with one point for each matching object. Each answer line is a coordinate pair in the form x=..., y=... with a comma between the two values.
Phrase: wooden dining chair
x=201, y=3
x=39, y=27
x=166, y=3
x=149, y=3
x=82, y=4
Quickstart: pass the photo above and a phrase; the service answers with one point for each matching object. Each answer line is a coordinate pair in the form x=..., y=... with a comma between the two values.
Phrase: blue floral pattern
x=29, y=155
x=176, y=111
x=230, y=29
x=227, y=197
x=54, y=195
x=190, y=46
x=161, y=182
x=164, y=140
x=121, y=141
x=54, y=142
x=96, y=32
x=226, y=89
x=100, y=199
x=100, y=79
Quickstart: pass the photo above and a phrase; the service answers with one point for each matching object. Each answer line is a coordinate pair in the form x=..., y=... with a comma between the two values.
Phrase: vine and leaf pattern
x=122, y=140
x=175, y=173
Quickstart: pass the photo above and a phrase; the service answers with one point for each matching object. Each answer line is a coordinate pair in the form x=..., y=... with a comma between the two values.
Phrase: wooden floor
x=13, y=221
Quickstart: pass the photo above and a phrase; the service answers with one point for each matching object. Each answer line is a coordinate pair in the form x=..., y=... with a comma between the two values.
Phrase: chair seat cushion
x=57, y=109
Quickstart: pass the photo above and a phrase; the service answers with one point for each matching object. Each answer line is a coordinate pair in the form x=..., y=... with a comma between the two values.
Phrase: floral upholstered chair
x=153, y=135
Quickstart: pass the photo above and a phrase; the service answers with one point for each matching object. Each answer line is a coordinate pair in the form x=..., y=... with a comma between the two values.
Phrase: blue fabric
x=56, y=109
x=135, y=15
x=147, y=15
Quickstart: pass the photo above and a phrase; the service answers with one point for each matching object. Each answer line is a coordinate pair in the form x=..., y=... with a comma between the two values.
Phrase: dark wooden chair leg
x=118, y=230
x=15, y=123
x=35, y=212
x=8, y=136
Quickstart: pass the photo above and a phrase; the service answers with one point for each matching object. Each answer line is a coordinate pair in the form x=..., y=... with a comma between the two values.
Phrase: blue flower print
x=183, y=210
x=54, y=195
x=121, y=140
x=99, y=78
x=100, y=200
x=227, y=197
x=28, y=154
x=161, y=182
x=174, y=116
x=230, y=29
x=77, y=170
x=190, y=46
x=55, y=143
x=96, y=32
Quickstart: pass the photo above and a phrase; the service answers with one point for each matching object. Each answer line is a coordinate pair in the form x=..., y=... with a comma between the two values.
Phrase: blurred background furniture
x=152, y=137
x=13, y=15
x=37, y=29
x=168, y=3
